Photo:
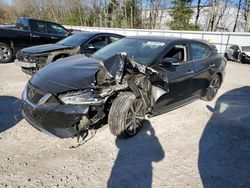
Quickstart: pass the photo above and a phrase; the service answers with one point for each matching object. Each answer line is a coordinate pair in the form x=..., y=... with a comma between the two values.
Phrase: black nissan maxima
x=33, y=58
x=125, y=81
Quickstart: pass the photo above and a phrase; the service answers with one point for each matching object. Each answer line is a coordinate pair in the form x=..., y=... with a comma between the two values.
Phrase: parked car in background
x=28, y=32
x=126, y=80
x=34, y=58
x=238, y=53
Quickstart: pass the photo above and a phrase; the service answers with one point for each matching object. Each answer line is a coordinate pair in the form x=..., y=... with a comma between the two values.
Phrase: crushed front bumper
x=54, y=119
x=25, y=64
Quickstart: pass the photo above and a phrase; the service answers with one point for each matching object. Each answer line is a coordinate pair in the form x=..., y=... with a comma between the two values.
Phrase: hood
x=44, y=48
x=72, y=73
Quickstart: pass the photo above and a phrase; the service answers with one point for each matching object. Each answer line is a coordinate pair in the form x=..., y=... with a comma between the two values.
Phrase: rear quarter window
x=199, y=51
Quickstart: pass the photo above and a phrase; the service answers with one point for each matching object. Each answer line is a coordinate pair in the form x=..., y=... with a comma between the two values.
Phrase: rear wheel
x=6, y=53
x=126, y=115
x=213, y=88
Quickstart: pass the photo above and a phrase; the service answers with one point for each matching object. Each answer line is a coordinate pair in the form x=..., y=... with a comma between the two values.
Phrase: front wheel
x=126, y=115
x=213, y=88
x=6, y=53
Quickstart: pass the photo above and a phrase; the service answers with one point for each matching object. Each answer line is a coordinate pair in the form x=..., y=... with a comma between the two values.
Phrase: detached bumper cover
x=53, y=119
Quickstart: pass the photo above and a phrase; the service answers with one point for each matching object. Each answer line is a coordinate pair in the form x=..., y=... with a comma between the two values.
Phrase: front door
x=179, y=78
x=56, y=32
x=94, y=45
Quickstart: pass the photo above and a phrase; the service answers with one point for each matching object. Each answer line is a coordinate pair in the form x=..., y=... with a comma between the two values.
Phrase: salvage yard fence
x=222, y=40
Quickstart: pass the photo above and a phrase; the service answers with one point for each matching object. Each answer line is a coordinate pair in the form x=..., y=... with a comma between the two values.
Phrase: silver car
x=238, y=53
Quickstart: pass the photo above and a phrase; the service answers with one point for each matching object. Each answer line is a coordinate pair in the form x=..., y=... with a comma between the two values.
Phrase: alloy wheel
x=214, y=87
x=135, y=116
x=4, y=53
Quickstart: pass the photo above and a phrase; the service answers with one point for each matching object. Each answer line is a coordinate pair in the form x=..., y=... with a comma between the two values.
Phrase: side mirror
x=170, y=62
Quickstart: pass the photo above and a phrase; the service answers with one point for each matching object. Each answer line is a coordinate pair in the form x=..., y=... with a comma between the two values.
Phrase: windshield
x=140, y=50
x=245, y=48
x=73, y=40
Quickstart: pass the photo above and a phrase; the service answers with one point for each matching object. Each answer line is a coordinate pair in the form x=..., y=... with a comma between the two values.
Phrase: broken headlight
x=38, y=59
x=81, y=97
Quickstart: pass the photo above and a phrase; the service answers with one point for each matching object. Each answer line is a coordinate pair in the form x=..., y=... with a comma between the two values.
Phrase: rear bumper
x=54, y=119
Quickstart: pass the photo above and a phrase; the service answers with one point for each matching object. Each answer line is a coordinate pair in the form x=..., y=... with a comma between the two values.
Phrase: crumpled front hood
x=72, y=73
x=44, y=48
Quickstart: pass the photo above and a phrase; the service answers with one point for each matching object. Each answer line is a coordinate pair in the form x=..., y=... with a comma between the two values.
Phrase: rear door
x=202, y=57
x=179, y=77
x=39, y=33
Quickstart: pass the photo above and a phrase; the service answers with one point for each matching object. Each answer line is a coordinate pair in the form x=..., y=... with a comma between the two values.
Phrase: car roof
x=91, y=34
x=168, y=39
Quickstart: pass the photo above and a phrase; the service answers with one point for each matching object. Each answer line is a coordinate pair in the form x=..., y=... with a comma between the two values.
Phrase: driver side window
x=178, y=52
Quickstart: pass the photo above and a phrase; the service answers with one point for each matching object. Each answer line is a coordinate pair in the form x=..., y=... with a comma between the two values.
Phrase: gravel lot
x=203, y=144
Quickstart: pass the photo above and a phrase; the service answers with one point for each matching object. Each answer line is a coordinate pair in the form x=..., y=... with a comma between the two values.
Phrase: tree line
x=142, y=14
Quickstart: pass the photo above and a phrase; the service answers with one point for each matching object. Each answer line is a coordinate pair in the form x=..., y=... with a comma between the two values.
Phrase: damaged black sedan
x=125, y=81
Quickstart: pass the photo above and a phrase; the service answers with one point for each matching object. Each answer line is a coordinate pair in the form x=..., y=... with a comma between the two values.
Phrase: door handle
x=212, y=65
x=36, y=36
x=53, y=37
x=190, y=72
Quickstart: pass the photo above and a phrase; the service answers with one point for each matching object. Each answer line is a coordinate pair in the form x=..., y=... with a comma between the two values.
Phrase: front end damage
x=30, y=63
x=244, y=57
x=70, y=113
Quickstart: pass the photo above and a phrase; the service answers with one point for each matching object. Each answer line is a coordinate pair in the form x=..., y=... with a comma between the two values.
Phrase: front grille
x=31, y=58
x=34, y=94
x=22, y=56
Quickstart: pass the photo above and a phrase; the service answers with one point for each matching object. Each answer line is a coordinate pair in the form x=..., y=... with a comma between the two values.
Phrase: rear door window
x=199, y=51
x=22, y=24
x=38, y=26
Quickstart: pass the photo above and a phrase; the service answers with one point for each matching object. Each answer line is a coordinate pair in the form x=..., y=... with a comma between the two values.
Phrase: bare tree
x=237, y=15
x=223, y=8
x=247, y=15
x=211, y=26
x=198, y=13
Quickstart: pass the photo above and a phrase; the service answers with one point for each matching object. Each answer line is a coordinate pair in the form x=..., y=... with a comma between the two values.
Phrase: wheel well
x=220, y=75
x=60, y=56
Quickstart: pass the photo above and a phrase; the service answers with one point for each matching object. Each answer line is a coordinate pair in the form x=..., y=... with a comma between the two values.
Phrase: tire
x=226, y=56
x=126, y=115
x=6, y=54
x=213, y=88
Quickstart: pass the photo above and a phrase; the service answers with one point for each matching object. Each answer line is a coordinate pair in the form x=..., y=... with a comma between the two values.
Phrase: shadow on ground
x=224, y=156
x=133, y=165
x=10, y=112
